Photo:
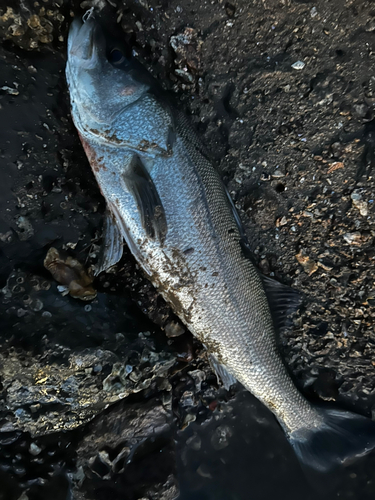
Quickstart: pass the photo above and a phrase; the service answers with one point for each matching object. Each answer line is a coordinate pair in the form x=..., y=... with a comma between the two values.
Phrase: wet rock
x=136, y=372
x=58, y=389
x=129, y=449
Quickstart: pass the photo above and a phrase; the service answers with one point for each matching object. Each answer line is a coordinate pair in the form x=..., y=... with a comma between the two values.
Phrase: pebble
x=26, y=230
x=198, y=376
x=309, y=265
x=187, y=399
x=359, y=203
x=370, y=26
x=173, y=329
x=34, y=449
x=281, y=221
x=353, y=238
x=298, y=65
x=36, y=305
x=9, y=90
x=220, y=438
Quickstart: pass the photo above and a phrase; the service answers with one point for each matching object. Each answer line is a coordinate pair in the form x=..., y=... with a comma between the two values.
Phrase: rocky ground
x=98, y=399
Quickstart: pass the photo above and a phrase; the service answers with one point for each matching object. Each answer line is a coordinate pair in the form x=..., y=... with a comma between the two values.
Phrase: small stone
x=360, y=109
x=198, y=376
x=173, y=329
x=335, y=166
x=23, y=496
x=188, y=419
x=278, y=174
x=313, y=12
x=353, y=238
x=306, y=213
x=370, y=26
x=308, y=264
x=298, y=65
x=26, y=230
x=359, y=203
x=36, y=305
x=220, y=437
x=9, y=90
x=281, y=221
x=187, y=399
x=34, y=449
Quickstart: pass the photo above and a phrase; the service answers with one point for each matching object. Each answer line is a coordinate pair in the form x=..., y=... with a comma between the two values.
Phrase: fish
x=167, y=201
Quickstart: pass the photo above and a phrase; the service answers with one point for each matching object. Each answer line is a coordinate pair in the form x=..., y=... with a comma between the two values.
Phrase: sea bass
x=170, y=206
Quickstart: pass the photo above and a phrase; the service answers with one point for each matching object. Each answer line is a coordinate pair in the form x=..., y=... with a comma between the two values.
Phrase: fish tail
x=340, y=439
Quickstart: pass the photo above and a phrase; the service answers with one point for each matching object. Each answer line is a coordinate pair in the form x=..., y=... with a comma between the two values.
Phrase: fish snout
x=86, y=43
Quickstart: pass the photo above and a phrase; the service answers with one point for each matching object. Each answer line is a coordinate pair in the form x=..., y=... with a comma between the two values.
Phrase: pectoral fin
x=140, y=184
x=221, y=372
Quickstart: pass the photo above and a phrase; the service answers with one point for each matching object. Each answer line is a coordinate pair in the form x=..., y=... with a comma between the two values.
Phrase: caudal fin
x=342, y=438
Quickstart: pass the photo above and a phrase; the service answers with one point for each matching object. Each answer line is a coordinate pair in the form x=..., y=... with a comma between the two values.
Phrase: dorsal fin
x=283, y=302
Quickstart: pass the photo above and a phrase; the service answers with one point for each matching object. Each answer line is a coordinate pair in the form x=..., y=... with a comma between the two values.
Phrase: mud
x=282, y=94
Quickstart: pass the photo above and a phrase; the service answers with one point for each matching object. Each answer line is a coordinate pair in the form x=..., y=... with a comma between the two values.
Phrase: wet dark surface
x=296, y=150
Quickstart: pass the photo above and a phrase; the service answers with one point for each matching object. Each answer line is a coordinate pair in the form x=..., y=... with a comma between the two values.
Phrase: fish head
x=101, y=80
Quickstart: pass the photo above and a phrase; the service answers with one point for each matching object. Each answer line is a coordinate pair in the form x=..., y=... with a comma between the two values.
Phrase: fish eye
x=116, y=56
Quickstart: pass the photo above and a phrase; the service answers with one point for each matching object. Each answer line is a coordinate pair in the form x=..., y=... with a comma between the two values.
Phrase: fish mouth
x=85, y=41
